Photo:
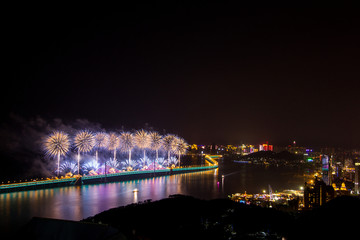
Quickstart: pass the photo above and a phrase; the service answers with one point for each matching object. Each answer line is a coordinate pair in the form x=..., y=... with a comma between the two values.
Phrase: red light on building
x=265, y=146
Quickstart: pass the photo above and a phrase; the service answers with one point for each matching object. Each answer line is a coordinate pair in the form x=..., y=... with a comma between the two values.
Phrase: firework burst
x=142, y=139
x=156, y=142
x=92, y=165
x=180, y=147
x=68, y=168
x=127, y=143
x=113, y=164
x=101, y=141
x=57, y=144
x=114, y=143
x=84, y=141
x=169, y=144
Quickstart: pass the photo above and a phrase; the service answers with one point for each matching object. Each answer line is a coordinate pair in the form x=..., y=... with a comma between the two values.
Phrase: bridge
x=212, y=159
x=127, y=175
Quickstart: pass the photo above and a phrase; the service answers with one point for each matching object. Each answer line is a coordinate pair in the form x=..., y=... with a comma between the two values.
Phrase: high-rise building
x=317, y=194
x=326, y=175
x=356, y=182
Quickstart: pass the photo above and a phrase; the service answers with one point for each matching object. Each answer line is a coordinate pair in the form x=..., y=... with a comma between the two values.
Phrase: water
x=79, y=202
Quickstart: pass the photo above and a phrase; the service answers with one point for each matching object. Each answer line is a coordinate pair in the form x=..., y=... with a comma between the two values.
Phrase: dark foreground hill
x=183, y=217
x=337, y=219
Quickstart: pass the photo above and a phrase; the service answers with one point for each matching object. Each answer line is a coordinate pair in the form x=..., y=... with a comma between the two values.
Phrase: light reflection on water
x=78, y=202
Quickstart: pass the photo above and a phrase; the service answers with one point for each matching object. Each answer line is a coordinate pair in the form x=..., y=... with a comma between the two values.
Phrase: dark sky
x=210, y=73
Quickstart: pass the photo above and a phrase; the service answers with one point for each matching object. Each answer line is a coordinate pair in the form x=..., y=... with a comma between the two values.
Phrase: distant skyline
x=210, y=73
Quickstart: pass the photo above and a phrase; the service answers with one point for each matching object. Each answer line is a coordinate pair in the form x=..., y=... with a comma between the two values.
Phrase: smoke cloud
x=21, y=153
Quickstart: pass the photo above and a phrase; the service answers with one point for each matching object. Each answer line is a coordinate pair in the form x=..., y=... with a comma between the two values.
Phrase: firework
x=156, y=142
x=173, y=161
x=68, y=168
x=144, y=161
x=142, y=140
x=180, y=147
x=84, y=142
x=57, y=144
x=161, y=161
x=114, y=143
x=101, y=141
x=112, y=163
x=127, y=142
x=91, y=165
x=169, y=144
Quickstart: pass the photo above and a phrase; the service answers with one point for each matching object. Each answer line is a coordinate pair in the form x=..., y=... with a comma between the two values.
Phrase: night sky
x=210, y=73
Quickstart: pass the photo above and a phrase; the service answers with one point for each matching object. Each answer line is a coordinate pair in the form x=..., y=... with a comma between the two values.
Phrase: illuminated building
x=246, y=149
x=356, y=182
x=326, y=173
x=317, y=194
x=271, y=148
x=338, y=169
x=252, y=149
x=261, y=148
x=266, y=147
x=342, y=190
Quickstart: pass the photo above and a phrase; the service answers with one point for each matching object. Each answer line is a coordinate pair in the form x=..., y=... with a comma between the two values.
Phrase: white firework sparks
x=57, y=144
x=84, y=141
x=169, y=144
x=101, y=140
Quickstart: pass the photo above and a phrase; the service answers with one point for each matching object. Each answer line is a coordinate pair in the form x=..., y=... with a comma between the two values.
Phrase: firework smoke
x=58, y=144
